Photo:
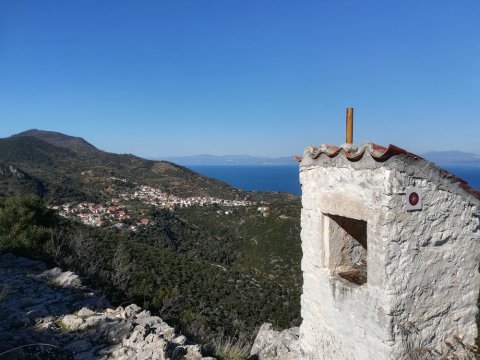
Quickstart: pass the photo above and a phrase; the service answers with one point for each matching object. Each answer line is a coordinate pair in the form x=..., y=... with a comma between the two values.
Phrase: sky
x=260, y=77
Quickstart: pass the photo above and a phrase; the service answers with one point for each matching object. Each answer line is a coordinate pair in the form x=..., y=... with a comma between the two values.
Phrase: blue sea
x=285, y=177
x=469, y=173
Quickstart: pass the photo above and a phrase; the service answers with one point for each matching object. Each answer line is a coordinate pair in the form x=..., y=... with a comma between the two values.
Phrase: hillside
x=193, y=278
x=14, y=181
x=168, y=238
x=71, y=169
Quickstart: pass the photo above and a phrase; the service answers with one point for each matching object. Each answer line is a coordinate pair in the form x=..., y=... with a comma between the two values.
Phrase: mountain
x=206, y=159
x=69, y=168
x=452, y=157
x=73, y=143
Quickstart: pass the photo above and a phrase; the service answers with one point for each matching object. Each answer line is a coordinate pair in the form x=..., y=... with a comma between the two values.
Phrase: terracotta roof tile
x=377, y=152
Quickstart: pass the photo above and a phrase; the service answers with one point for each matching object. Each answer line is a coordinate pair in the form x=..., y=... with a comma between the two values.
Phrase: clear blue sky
x=264, y=77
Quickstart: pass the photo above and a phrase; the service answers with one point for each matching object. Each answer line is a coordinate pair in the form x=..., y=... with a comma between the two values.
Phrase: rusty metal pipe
x=349, y=139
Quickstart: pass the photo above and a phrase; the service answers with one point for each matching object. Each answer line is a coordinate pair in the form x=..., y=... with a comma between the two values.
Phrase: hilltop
x=73, y=143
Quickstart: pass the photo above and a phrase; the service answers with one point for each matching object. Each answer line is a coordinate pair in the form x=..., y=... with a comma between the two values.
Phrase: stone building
x=391, y=253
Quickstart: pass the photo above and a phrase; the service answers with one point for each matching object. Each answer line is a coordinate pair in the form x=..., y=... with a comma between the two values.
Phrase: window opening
x=347, y=243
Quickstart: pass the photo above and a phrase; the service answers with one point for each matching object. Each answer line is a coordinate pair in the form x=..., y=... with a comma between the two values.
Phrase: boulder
x=275, y=345
x=181, y=340
x=143, y=314
x=71, y=322
x=68, y=278
x=115, y=331
x=149, y=321
x=85, y=312
x=132, y=310
x=194, y=352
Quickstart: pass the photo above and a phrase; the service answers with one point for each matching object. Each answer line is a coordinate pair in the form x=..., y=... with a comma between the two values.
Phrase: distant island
x=452, y=157
x=207, y=159
x=439, y=157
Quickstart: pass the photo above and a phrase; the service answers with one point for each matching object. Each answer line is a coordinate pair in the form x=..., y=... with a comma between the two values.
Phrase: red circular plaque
x=413, y=198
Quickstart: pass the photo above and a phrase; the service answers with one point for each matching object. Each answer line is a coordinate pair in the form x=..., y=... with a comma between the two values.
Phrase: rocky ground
x=48, y=314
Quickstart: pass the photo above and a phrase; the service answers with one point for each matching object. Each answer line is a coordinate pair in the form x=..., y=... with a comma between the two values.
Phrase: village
x=116, y=212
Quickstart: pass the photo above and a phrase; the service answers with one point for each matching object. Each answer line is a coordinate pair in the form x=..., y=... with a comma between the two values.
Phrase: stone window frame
x=346, y=248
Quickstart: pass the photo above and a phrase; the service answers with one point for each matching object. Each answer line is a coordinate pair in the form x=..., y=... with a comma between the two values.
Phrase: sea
x=284, y=178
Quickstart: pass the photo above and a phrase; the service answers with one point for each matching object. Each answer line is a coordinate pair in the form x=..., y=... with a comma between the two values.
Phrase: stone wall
x=432, y=260
x=342, y=320
x=420, y=299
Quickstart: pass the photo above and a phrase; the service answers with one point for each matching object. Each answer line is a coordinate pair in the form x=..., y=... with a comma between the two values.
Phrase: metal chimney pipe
x=349, y=139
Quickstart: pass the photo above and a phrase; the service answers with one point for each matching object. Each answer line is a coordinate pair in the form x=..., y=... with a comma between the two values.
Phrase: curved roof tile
x=377, y=152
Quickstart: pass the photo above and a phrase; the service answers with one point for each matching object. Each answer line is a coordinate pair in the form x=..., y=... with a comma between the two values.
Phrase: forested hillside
x=183, y=282
x=214, y=271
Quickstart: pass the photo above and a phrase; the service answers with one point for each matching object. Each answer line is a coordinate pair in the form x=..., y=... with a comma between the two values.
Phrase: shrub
x=25, y=225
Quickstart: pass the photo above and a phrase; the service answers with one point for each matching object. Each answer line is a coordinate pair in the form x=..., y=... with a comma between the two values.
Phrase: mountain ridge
x=60, y=161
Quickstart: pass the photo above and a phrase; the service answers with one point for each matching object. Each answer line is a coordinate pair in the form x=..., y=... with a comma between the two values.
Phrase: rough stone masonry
x=382, y=282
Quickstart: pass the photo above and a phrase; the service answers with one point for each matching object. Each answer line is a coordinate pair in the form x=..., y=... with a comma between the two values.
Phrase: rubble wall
x=342, y=320
x=432, y=265
x=420, y=299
